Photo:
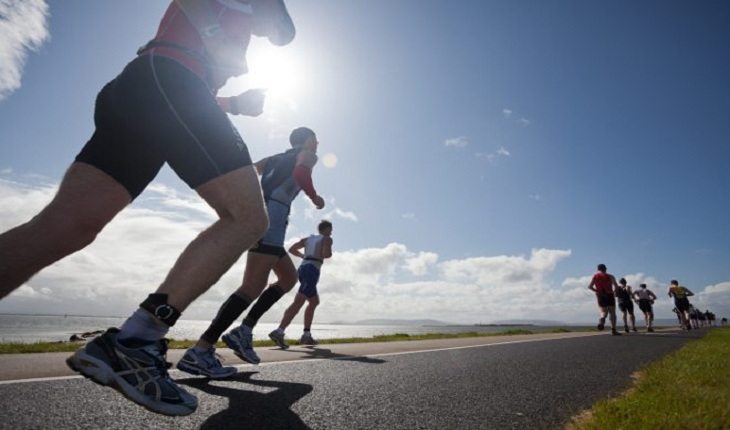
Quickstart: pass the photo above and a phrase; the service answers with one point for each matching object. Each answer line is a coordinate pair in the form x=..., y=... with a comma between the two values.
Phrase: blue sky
x=466, y=135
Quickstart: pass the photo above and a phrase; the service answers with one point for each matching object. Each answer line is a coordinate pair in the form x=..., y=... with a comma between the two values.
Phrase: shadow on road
x=253, y=409
x=323, y=353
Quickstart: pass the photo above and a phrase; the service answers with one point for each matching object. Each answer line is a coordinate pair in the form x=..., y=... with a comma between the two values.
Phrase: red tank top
x=603, y=284
x=234, y=18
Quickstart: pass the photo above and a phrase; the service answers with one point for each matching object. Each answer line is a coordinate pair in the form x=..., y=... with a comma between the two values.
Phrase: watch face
x=164, y=312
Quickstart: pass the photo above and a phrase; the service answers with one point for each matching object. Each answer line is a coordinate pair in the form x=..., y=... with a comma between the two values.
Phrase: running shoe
x=601, y=325
x=650, y=330
x=307, y=339
x=626, y=329
x=278, y=338
x=204, y=363
x=138, y=371
x=614, y=332
x=242, y=345
x=634, y=329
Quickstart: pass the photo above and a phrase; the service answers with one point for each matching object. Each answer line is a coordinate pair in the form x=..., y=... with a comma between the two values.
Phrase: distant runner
x=646, y=299
x=681, y=301
x=602, y=284
x=626, y=304
x=316, y=248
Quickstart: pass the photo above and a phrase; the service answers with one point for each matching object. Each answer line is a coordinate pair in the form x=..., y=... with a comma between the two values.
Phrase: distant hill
x=528, y=322
x=384, y=321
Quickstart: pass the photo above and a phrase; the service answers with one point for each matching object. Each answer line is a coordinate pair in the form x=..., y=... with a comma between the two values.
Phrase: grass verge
x=688, y=389
x=22, y=348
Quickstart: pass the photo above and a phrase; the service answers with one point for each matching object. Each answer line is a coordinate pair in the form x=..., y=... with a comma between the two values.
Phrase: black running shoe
x=137, y=371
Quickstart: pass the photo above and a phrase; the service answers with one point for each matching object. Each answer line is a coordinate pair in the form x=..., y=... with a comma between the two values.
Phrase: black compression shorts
x=158, y=111
x=645, y=306
x=626, y=306
x=606, y=300
x=263, y=248
x=682, y=304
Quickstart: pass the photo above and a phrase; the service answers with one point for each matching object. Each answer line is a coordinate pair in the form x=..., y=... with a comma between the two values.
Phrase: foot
x=614, y=332
x=204, y=363
x=626, y=329
x=650, y=330
x=601, y=325
x=242, y=345
x=138, y=371
x=307, y=339
x=278, y=338
x=634, y=329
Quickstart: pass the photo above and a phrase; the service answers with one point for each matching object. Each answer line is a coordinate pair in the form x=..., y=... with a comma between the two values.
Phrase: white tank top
x=643, y=294
x=313, y=250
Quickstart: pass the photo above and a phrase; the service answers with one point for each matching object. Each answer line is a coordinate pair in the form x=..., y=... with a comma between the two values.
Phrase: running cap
x=299, y=136
x=674, y=282
x=622, y=281
x=272, y=20
x=643, y=285
x=602, y=268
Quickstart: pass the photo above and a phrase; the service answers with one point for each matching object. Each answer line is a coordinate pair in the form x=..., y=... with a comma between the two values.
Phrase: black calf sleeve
x=263, y=304
x=228, y=313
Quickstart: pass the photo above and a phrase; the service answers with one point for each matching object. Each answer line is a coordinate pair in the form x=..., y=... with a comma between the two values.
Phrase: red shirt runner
x=603, y=284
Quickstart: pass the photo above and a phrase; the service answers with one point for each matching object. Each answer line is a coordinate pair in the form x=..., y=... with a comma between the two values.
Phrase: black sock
x=263, y=304
x=228, y=313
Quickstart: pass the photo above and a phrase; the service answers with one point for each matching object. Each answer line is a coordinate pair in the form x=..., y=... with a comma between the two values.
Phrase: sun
x=273, y=69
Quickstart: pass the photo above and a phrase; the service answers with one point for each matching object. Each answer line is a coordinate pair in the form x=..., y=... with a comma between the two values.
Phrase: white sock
x=143, y=325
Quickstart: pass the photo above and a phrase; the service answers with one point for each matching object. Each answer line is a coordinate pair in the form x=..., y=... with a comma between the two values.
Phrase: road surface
x=483, y=383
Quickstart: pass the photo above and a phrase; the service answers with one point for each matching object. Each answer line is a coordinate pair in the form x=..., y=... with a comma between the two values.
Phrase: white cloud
x=716, y=298
x=408, y=215
x=24, y=28
x=524, y=122
x=491, y=156
x=134, y=253
x=330, y=212
x=420, y=264
x=507, y=112
x=457, y=142
x=6, y=171
x=535, y=196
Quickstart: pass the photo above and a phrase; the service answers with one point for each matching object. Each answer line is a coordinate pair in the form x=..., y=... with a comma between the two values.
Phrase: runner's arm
x=303, y=176
x=261, y=165
x=295, y=249
x=248, y=103
x=327, y=247
x=688, y=292
x=591, y=285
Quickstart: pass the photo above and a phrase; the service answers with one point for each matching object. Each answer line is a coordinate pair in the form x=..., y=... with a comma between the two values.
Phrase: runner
x=316, y=248
x=681, y=302
x=160, y=109
x=626, y=304
x=646, y=299
x=602, y=284
x=283, y=176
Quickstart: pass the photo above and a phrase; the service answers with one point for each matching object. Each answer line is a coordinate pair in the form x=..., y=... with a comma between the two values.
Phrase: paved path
x=530, y=381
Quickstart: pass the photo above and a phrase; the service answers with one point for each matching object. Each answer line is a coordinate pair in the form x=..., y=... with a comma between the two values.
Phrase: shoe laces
x=158, y=351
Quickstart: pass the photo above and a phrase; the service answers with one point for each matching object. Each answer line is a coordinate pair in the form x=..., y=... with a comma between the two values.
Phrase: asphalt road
x=534, y=384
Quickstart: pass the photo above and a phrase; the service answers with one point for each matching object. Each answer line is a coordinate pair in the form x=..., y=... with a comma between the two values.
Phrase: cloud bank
x=24, y=28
